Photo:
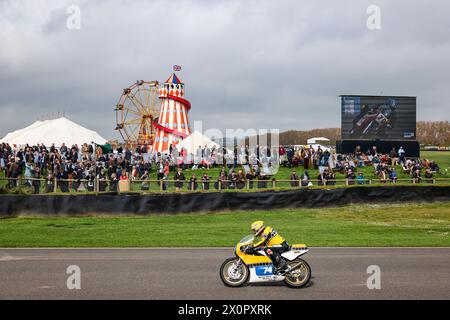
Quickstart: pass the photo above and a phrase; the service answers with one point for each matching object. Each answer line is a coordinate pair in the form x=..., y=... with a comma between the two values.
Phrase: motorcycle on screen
x=258, y=267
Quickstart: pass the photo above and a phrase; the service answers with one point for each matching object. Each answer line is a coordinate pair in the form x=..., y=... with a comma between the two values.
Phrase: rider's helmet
x=258, y=227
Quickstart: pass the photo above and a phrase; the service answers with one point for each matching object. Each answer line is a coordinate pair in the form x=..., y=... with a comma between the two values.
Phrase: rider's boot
x=281, y=268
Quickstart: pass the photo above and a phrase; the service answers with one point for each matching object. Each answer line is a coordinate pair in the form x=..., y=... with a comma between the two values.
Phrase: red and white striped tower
x=172, y=125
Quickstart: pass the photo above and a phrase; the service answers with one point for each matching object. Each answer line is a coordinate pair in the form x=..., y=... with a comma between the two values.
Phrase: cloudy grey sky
x=259, y=64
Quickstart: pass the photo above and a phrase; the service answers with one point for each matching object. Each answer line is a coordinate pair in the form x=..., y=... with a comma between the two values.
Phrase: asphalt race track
x=338, y=273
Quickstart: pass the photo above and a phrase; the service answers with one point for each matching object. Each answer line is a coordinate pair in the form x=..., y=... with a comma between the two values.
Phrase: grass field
x=409, y=224
x=441, y=157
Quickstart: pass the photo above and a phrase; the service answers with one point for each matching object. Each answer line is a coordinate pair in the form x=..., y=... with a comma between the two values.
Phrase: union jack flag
x=176, y=68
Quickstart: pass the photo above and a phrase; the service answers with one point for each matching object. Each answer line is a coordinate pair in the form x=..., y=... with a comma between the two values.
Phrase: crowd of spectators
x=384, y=165
x=79, y=168
x=349, y=165
x=91, y=168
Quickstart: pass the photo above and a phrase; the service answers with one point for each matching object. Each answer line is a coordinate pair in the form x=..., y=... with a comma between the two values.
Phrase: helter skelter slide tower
x=172, y=125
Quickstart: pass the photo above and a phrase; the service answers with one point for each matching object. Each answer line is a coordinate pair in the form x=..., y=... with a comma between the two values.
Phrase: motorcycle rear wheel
x=233, y=276
x=299, y=277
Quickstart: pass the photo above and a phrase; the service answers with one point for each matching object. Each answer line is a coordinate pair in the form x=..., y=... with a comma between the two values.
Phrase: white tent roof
x=314, y=140
x=57, y=131
x=13, y=134
x=194, y=140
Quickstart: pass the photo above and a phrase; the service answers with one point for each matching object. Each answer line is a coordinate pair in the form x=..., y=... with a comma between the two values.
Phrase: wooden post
x=55, y=185
x=96, y=186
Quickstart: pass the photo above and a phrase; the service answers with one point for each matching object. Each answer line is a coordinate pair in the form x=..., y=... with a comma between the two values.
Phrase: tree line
x=435, y=133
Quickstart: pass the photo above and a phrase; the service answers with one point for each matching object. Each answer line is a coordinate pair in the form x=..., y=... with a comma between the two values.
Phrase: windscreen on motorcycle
x=247, y=240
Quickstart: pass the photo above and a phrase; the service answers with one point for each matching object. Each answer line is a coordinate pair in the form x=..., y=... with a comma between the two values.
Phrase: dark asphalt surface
x=337, y=273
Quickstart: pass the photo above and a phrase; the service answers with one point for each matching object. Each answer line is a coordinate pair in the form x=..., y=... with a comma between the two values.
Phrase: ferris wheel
x=136, y=110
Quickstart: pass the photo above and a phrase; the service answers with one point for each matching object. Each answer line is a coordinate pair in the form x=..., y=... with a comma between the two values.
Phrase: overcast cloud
x=246, y=64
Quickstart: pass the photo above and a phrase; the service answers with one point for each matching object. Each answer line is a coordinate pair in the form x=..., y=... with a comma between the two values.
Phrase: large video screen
x=378, y=117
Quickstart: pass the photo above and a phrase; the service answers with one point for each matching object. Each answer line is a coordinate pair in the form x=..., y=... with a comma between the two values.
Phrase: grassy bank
x=410, y=224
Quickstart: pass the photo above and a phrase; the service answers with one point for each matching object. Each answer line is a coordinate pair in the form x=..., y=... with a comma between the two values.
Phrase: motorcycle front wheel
x=234, y=273
x=300, y=276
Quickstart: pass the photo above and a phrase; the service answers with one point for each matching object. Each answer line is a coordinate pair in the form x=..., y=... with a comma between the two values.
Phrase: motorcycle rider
x=274, y=244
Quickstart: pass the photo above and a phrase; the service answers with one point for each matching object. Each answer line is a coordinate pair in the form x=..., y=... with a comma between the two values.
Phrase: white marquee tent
x=10, y=135
x=191, y=142
x=317, y=140
x=57, y=131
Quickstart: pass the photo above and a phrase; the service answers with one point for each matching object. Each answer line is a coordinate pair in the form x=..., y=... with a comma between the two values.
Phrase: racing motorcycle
x=258, y=267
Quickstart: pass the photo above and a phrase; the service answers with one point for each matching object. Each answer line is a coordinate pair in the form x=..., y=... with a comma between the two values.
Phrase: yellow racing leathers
x=274, y=244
